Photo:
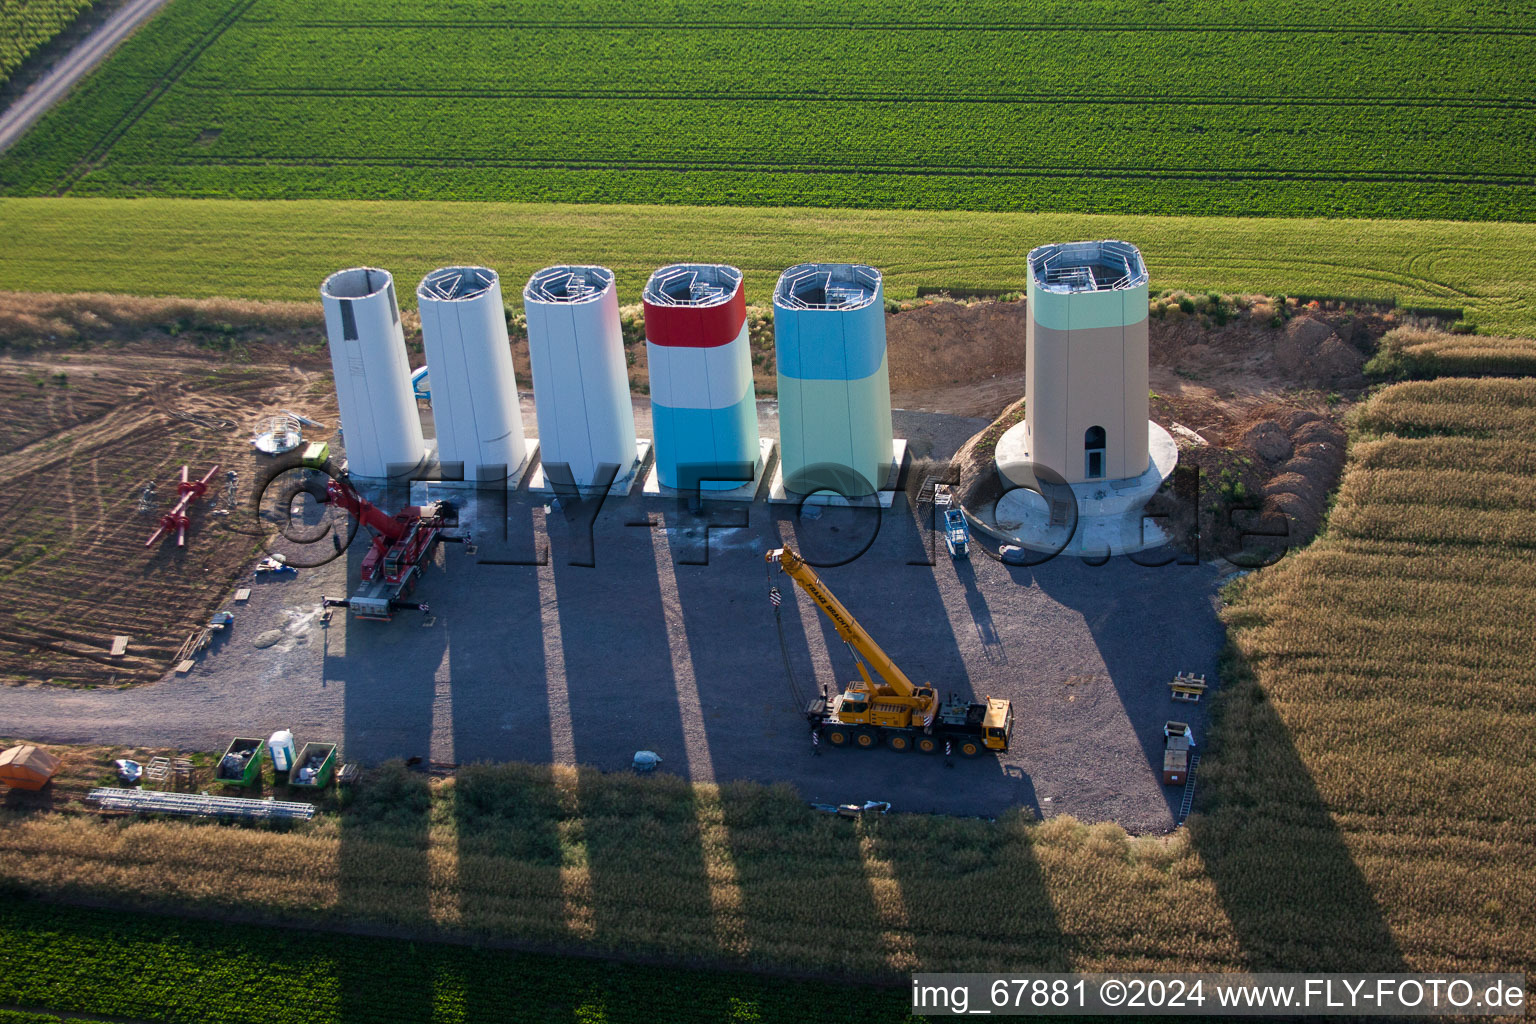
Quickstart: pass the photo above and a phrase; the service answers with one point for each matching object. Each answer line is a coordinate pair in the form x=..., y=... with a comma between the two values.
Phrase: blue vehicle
x=957, y=535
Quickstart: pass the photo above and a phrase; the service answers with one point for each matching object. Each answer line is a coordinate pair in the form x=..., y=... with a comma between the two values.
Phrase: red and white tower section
x=703, y=408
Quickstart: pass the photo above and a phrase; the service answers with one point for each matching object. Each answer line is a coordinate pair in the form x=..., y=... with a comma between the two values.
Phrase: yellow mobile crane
x=906, y=716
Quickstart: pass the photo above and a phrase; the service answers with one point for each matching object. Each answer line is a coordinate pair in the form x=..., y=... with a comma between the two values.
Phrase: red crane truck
x=401, y=544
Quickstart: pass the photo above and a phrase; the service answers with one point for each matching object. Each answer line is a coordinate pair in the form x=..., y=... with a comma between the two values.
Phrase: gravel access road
x=666, y=641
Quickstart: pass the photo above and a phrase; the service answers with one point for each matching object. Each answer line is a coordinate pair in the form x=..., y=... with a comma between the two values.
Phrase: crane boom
x=853, y=634
x=391, y=528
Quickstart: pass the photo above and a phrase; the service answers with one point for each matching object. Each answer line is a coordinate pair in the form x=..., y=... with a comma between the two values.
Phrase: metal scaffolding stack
x=200, y=805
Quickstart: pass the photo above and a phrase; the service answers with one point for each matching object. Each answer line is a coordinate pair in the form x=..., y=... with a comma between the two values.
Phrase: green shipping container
x=315, y=455
x=313, y=767
x=241, y=763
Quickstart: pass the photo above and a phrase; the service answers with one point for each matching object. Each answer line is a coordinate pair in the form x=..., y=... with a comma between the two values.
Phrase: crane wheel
x=927, y=745
x=969, y=748
x=899, y=741
x=837, y=737
x=866, y=739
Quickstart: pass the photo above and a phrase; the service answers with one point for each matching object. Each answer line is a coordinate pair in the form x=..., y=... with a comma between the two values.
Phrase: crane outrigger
x=895, y=710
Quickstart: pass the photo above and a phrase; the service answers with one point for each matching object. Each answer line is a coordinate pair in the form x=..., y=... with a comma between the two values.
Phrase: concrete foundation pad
x=622, y=484
x=1109, y=518
x=767, y=463
x=884, y=497
x=429, y=489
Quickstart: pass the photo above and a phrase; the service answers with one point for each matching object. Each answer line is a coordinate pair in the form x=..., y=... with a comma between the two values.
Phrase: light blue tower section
x=705, y=437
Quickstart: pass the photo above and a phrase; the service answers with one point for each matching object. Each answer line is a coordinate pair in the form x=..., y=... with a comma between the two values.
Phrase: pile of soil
x=944, y=344
x=1260, y=489
x=1311, y=349
x=1305, y=468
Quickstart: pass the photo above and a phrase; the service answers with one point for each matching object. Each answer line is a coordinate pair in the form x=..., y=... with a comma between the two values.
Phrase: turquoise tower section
x=834, y=382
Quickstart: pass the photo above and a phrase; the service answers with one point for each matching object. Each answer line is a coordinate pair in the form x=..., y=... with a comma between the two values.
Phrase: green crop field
x=146, y=968
x=26, y=25
x=1365, y=108
x=282, y=250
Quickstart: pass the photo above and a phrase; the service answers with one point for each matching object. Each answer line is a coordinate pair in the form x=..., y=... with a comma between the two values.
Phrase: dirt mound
x=1269, y=440
x=1270, y=473
x=954, y=342
x=1303, y=516
x=1293, y=420
x=1301, y=337
x=1311, y=350
x=1337, y=361
x=1316, y=430
x=1301, y=485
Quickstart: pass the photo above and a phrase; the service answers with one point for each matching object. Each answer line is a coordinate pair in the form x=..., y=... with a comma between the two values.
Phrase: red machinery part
x=176, y=521
x=370, y=515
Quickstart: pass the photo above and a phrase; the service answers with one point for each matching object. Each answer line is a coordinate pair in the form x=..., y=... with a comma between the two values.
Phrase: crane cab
x=997, y=724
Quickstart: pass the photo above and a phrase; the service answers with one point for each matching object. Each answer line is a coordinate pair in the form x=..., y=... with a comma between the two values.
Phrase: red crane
x=176, y=521
x=402, y=543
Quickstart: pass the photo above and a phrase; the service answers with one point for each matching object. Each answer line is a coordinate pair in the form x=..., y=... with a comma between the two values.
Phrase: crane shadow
x=387, y=671
x=922, y=906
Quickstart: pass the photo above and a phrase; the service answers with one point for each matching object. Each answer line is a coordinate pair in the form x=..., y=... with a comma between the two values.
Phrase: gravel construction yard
x=668, y=643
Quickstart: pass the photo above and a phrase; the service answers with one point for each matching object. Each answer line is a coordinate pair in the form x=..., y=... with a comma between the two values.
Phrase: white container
x=281, y=745
x=474, y=389
x=580, y=384
x=380, y=425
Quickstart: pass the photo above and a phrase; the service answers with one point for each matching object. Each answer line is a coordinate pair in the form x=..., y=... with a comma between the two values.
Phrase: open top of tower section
x=381, y=429
x=568, y=284
x=1067, y=267
x=693, y=284
x=356, y=283
x=456, y=284
x=841, y=286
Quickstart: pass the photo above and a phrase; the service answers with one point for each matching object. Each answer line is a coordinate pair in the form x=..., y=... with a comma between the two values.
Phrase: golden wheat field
x=1421, y=352
x=1365, y=804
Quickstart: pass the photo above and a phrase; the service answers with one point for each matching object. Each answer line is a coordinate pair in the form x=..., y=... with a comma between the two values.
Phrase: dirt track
x=85, y=438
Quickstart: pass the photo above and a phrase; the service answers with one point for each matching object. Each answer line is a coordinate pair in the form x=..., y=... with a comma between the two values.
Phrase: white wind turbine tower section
x=474, y=389
x=381, y=428
x=580, y=379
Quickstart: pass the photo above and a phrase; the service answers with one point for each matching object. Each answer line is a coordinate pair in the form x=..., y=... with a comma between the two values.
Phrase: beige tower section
x=1086, y=350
